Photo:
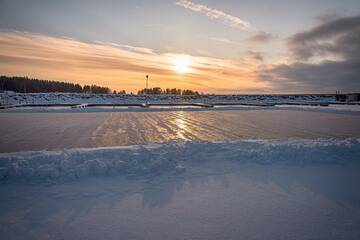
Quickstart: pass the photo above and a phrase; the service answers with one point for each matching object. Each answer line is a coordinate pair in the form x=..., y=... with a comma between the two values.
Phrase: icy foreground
x=169, y=158
x=264, y=189
x=180, y=175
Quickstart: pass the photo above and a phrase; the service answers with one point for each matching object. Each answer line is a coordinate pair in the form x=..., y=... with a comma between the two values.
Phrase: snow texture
x=78, y=98
x=169, y=158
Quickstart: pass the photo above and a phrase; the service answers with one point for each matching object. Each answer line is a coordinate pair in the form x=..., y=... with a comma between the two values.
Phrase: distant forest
x=30, y=85
x=172, y=91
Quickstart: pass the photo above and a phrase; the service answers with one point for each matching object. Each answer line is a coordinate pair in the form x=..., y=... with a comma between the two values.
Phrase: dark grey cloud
x=326, y=77
x=327, y=17
x=261, y=37
x=257, y=56
x=338, y=40
x=338, y=37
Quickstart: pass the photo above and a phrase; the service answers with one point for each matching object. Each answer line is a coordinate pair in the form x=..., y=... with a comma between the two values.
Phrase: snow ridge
x=171, y=158
x=80, y=98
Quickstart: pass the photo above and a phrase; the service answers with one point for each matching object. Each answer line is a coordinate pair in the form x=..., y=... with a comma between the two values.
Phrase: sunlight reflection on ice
x=182, y=126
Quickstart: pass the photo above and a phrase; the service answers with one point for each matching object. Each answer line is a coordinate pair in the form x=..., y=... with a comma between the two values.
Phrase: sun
x=181, y=64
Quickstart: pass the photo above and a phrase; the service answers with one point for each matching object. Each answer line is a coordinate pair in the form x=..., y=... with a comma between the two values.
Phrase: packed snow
x=55, y=166
x=263, y=189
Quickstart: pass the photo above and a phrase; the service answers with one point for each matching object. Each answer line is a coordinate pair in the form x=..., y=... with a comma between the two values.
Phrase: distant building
x=350, y=97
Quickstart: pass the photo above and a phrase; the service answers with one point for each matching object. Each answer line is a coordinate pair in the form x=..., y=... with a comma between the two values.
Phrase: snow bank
x=79, y=98
x=172, y=157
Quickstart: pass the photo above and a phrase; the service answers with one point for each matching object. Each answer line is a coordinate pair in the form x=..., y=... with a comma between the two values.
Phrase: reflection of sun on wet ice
x=181, y=126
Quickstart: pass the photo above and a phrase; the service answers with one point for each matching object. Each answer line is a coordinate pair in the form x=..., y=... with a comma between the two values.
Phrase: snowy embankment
x=170, y=158
x=77, y=98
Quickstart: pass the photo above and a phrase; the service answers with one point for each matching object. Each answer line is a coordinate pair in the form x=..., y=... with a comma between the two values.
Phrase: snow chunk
x=171, y=158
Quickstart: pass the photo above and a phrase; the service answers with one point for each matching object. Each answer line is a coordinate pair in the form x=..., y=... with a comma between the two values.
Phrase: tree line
x=31, y=85
x=172, y=91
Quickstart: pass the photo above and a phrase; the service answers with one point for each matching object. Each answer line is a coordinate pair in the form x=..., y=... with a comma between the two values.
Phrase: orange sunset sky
x=208, y=46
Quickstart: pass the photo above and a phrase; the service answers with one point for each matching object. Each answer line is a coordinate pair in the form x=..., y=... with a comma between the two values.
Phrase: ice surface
x=56, y=131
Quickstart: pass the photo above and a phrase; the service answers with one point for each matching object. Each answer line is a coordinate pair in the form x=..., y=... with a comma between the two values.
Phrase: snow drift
x=170, y=158
x=80, y=98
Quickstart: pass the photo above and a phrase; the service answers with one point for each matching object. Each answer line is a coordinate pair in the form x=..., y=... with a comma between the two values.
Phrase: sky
x=227, y=47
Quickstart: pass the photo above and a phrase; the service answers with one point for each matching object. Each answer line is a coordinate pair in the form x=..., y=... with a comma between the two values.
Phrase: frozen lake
x=194, y=184
x=40, y=131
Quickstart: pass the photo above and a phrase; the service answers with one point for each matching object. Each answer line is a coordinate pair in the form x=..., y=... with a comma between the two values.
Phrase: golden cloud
x=120, y=66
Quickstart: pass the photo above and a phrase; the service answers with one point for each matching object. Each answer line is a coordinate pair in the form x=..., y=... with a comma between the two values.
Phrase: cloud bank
x=327, y=58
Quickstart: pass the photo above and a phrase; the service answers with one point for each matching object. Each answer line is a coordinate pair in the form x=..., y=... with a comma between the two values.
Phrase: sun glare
x=181, y=64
